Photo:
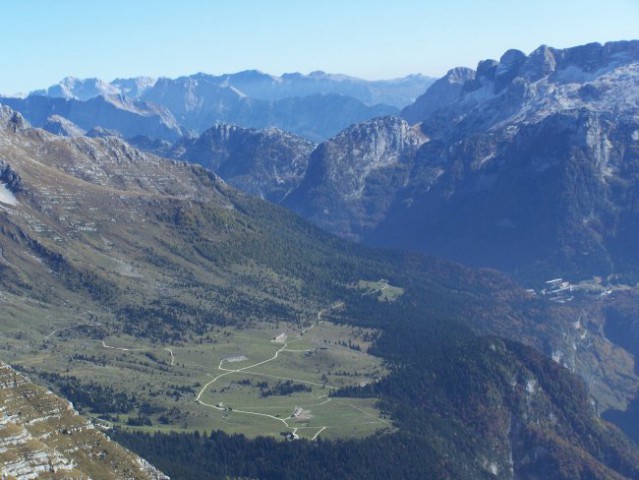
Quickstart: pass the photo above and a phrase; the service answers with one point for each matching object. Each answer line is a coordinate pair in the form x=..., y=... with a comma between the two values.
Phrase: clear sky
x=46, y=40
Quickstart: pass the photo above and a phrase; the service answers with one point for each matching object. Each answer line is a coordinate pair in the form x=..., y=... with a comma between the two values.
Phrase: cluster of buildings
x=561, y=291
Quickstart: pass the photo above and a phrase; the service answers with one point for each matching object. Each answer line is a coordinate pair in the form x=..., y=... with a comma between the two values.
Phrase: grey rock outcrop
x=265, y=163
x=61, y=126
x=351, y=178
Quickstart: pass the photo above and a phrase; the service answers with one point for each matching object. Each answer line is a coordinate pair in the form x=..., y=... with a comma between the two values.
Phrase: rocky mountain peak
x=61, y=126
x=540, y=63
x=80, y=89
x=523, y=88
x=443, y=92
x=458, y=75
x=508, y=67
x=134, y=87
x=386, y=134
x=11, y=119
x=486, y=69
x=340, y=170
x=267, y=163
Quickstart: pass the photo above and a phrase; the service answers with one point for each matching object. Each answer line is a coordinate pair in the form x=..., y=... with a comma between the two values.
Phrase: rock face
x=42, y=436
x=265, y=163
x=549, y=201
x=11, y=119
x=79, y=89
x=61, y=126
x=538, y=156
x=350, y=182
x=529, y=167
x=9, y=177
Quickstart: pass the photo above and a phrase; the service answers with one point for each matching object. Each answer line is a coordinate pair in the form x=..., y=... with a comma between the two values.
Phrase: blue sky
x=44, y=40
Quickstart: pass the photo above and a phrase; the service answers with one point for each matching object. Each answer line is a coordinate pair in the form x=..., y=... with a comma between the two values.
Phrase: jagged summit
x=79, y=89
x=520, y=88
x=9, y=118
x=267, y=163
x=336, y=188
x=61, y=126
x=443, y=92
x=133, y=87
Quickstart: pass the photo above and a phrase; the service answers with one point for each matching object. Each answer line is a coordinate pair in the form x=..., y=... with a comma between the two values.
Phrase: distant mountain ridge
x=128, y=117
x=525, y=164
x=522, y=165
x=397, y=92
x=315, y=106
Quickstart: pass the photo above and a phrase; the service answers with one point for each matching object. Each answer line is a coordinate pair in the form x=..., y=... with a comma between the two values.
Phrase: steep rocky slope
x=42, y=436
x=252, y=83
x=266, y=163
x=351, y=179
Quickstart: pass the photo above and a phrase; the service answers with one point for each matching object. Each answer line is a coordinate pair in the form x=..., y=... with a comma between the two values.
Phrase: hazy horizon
x=47, y=41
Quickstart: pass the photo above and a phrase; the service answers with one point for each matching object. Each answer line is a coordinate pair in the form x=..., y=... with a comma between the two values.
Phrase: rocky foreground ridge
x=42, y=436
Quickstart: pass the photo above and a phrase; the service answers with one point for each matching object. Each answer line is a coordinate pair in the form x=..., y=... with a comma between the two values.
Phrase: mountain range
x=528, y=168
x=250, y=83
x=315, y=106
x=526, y=164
